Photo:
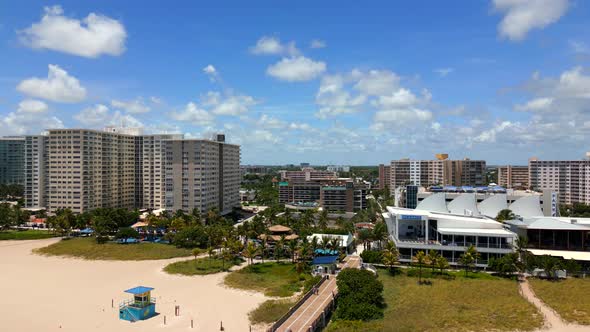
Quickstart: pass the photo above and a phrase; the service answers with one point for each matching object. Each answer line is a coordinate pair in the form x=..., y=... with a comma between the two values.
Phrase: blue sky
x=340, y=82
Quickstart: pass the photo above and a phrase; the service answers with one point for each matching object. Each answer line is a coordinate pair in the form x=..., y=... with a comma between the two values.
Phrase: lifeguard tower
x=141, y=307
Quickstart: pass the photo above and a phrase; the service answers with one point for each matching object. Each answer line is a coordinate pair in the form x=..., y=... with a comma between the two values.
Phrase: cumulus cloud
x=94, y=115
x=403, y=115
x=537, y=104
x=296, y=69
x=316, y=43
x=29, y=118
x=376, y=82
x=59, y=86
x=269, y=122
x=522, y=16
x=90, y=37
x=211, y=72
x=131, y=106
x=194, y=115
x=268, y=45
x=32, y=106
x=230, y=105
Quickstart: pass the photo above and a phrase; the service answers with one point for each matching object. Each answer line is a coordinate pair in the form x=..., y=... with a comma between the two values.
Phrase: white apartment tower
x=35, y=186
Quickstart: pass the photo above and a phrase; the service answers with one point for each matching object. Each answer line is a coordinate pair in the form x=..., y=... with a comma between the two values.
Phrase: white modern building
x=449, y=229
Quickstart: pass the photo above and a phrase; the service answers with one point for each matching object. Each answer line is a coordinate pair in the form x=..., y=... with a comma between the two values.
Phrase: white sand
x=40, y=293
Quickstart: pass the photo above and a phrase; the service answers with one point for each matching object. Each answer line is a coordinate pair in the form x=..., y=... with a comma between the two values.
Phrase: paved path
x=553, y=322
x=312, y=309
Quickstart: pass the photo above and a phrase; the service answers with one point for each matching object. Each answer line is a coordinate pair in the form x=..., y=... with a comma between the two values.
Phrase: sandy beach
x=64, y=294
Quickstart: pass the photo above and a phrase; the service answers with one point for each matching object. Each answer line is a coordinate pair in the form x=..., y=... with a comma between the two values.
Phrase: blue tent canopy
x=138, y=290
x=323, y=260
x=87, y=231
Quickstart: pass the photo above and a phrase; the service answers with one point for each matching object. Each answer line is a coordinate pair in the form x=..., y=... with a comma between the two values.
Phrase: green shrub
x=361, y=295
x=372, y=256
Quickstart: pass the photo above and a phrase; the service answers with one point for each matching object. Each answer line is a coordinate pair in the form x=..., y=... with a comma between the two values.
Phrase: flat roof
x=138, y=290
x=565, y=254
x=476, y=232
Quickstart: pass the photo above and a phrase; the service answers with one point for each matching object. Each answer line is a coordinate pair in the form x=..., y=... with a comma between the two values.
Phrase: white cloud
x=90, y=37
x=58, y=87
x=443, y=72
x=194, y=115
x=521, y=16
x=376, y=82
x=489, y=136
x=131, y=106
x=211, y=72
x=300, y=126
x=29, y=118
x=400, y=98
x=537, y=104
x=272, y=46
x=579, y=47
x=403, y=116
x=296, y=69
x=270, y=122
x=32, y=106
x=573, y=83
x=156, y=100
x=232, y=105
x=93, y=116
x=316, y=43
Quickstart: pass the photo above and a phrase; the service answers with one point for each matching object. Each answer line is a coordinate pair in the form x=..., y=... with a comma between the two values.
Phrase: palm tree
x=325, y=243
x=323, y=219
x=293, y=249
x=380, y=233
x=520, y=246
x=391, y=255
x=264, y=248
x=304, y=251
x=433, y=258
x=442, y=263
x=279, y=245
x=505, y=214
x=335, y=243
x=420, y=259
x=196, y=252
x=250, y=252
x=469, y=258
x=549, y=264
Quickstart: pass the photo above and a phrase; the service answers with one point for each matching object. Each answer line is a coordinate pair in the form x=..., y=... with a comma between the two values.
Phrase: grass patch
x=270, y=311
x=567, y=297
x=29, y=234
x=478, y=303
x=273, y=279
x=201, y=266
x=87, y=248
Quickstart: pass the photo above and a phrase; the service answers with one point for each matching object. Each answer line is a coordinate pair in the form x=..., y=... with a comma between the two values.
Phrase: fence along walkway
x=312, y=313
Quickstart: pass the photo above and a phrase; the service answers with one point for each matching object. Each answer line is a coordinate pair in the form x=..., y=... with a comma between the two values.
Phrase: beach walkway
x=312, y=312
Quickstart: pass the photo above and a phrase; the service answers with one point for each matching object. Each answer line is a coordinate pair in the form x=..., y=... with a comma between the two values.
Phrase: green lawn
x=87, y=248
x=29, y=234
x=478, y=303
x=568, y=297
x=270, y=311
x=274, y=279
x=201, y=266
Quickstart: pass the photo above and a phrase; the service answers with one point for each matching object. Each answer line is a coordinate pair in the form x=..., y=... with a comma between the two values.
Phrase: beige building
x=513, y=177
x=570, y=178
x=425, y=173
x=308, y=174
x=384, y=176
x=202, y=174
x=89, y=169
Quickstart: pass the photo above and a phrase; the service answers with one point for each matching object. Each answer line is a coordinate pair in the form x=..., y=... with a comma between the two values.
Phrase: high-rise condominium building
x=12, y=160
x=35, y=187
x=570, y=178
x=384, y=176
x=152, y=154
x=202, y=174
x=89, y=169
x=425, y=173
x=83, y=169
x=308, y=174
x=513, y=177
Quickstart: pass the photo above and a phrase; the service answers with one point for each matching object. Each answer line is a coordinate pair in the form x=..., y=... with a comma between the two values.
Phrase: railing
x=132, y=302
x=294, y=308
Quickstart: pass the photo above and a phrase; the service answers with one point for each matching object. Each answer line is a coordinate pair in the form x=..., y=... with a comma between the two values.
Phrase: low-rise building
x=432, y=227
x=333, y=194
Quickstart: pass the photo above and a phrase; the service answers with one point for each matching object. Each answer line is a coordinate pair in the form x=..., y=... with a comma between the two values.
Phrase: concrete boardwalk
x=310, y=312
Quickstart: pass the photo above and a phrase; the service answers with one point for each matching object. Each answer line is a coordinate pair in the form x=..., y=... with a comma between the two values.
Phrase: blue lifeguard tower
x=141, y=307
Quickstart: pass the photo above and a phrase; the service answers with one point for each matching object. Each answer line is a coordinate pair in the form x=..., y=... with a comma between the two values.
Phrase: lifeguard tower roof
x=138, y=290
